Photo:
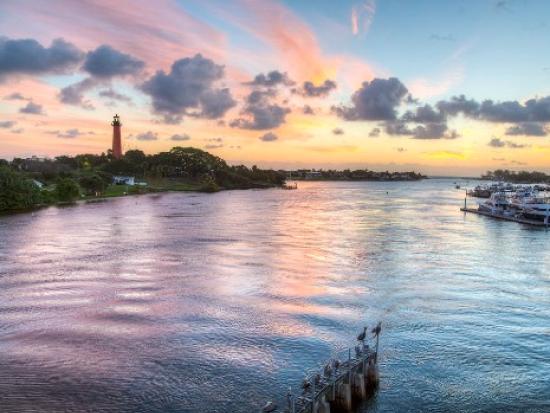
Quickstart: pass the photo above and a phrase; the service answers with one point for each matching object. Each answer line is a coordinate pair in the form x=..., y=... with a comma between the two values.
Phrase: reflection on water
x=216, y=303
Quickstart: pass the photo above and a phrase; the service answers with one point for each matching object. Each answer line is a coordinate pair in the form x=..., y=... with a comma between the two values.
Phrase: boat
x=293, y=185
x=498, y=204
x=480, y=191
x=531, y=205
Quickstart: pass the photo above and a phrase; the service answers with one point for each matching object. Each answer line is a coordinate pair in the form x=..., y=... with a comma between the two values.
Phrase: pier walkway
x=348, y=378
x=521, y=220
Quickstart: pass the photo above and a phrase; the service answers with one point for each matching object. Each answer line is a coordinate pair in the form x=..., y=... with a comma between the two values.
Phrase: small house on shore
x=37, y=184
x=124, y=180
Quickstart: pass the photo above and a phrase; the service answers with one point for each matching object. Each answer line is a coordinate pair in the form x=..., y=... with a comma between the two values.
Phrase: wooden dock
x=519, y=219
x=345, y=380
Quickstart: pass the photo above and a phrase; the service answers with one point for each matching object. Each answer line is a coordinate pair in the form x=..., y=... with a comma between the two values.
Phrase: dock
x=349, y=377
x=513, y=218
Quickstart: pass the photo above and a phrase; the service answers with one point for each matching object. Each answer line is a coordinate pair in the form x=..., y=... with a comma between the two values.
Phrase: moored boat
x=497, y=204
x=532, y=205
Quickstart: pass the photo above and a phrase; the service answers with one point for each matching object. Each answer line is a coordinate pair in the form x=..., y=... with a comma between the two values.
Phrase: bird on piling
x=376, y=330
x=306, y=385
x=335, y=364
x=317, y=379
x=361, y=337
x=327, y=371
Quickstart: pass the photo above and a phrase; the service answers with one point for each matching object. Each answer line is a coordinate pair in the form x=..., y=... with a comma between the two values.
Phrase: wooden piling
x=343, y=397
x=372, y=374
x=321, y=405
x=359, y=387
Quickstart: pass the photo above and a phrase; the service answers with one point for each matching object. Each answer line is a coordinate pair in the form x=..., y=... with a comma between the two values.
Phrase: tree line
x=521, y=177
x=26, y=183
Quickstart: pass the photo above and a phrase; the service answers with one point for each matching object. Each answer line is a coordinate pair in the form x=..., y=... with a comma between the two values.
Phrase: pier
x=513, y=218
x=345, y=380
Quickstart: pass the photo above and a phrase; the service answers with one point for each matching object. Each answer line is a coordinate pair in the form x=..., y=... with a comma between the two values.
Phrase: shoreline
x=152, y=191
x=103, y=198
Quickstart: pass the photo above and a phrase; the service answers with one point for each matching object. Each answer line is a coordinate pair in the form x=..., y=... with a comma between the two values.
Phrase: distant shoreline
x=354, y=180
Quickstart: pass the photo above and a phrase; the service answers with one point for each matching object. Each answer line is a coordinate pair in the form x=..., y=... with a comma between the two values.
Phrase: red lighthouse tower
x=117, y=138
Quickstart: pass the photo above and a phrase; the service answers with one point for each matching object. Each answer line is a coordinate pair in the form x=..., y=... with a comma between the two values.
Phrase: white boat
x=498, y=204
x=532, y=206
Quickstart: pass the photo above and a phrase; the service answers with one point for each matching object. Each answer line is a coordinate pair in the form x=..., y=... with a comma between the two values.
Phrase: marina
x=519, y=203
x=485, y=191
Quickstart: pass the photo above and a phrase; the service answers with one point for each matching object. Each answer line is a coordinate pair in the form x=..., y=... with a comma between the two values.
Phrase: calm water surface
x=218, y=302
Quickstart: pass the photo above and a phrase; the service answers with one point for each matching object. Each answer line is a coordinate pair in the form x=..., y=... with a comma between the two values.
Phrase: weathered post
x=343, y=397
x=372, y=373
x=290, y=400
x=321, y=405
x=313, y=400
x=349, y=365
x=358, y=385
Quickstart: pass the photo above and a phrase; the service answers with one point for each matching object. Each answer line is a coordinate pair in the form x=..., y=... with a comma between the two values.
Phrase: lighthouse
x=117, y=139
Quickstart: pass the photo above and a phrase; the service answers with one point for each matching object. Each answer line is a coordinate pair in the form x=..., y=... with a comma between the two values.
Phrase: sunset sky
x=441, y=87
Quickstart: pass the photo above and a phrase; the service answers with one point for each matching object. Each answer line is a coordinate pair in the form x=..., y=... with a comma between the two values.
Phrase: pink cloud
x=292, y=45
x=157, y=32
x=424, y=88
x=362, y=16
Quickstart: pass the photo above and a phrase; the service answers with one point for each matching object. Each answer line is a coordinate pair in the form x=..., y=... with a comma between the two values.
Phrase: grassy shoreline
x=119, y=191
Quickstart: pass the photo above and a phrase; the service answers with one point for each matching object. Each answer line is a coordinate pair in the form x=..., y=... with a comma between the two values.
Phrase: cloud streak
x=32, y=108
x=268, y=137
x=147, y=136
x=499, y=143
x=362, y=16
x=7, y=124
x=309, y=89
x=180, y=137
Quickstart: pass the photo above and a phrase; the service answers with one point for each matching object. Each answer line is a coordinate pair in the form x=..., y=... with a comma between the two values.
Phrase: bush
x=67, y=190
x=92, y=184
x=16, y=191
x=209, y=184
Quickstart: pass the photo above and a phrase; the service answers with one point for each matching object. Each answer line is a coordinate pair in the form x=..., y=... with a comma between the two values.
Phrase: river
x=184, y=302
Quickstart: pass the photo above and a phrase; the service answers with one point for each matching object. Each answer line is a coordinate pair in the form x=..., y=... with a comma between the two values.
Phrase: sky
x=441, y=87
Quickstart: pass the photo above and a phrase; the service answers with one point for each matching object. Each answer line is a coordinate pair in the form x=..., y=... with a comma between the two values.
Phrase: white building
x=38, y=184
x=124, y=180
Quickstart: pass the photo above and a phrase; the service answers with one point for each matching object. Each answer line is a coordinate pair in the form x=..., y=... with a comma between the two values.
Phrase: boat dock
x=513, y=218
x=348, y=378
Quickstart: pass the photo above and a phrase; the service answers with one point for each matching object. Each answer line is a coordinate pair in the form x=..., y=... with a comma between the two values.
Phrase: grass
x=115, y=190
x=154, y=185
x=157, y=185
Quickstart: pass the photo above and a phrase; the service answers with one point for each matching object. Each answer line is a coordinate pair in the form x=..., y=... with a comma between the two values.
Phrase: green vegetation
x=67, y=190
x=16, y=191
x=521, y=177
x=93, y=184
x=33, y=182
x=354, y=175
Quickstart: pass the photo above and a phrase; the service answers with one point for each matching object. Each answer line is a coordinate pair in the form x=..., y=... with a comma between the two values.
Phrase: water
x=218, y=302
